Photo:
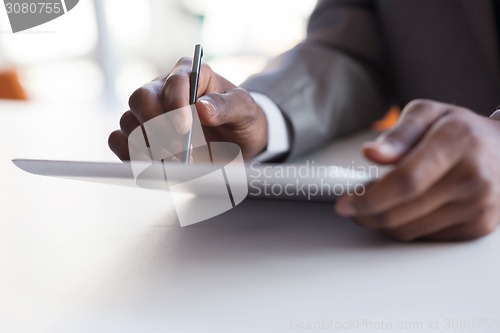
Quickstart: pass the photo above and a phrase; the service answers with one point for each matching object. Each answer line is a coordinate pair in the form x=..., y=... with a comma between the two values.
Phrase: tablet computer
x=301, y=181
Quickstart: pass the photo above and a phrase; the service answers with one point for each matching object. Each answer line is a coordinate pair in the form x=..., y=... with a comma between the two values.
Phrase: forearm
x=327, y=86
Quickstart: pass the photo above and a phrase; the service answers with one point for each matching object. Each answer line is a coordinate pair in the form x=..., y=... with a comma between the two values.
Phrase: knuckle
x=173, y=80
x=183, y=61
x=126, y=120
x=403, y=132
x=461, y=126
x=408, y=130
x=417, y=105
x=247, y=100
x=464, y=131
x=139, y=96
x=242, y=93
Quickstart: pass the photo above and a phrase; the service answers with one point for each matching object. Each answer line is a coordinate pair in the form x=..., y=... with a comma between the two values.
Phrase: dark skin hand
x=227, y=113
x=445, y=185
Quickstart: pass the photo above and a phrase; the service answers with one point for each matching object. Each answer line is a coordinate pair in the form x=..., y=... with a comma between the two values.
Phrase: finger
x=234, y=107
x=165, y=150
x=123, y=145
x=175, y=91
x=175, y=96
x=118, y=142
x=145, y=111
x=448, y=216
x=128, y=122
x=462, y=232
x=145, y=102
x=455, y=186
x=417, y=117
x=436, y=154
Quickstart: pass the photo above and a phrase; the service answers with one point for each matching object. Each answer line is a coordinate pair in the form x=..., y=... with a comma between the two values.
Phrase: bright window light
x=70, y=35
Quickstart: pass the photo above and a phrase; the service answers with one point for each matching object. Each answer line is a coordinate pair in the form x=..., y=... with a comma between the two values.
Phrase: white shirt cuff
x=277, y=142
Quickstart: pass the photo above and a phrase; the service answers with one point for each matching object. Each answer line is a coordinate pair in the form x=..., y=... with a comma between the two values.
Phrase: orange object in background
x=10, y=87
x=390, y=119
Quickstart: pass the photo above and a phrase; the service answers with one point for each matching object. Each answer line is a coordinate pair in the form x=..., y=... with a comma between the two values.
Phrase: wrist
x=260, y=137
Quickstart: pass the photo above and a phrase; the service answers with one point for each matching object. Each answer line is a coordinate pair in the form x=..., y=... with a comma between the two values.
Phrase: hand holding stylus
x=226, y=112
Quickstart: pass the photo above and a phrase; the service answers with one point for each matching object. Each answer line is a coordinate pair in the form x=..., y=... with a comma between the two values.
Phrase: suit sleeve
x=333, y=83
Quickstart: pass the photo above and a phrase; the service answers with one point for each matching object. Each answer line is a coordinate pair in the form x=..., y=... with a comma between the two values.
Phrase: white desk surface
x=82, y=257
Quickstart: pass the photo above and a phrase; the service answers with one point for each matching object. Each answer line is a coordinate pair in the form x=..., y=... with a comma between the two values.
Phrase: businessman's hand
x=227, y=113
x=446, y=180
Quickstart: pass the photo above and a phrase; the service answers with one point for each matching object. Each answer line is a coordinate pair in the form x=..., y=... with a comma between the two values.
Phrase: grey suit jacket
x=361, y=55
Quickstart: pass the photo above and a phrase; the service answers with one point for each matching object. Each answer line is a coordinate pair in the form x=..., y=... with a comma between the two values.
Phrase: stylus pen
x=194, y=79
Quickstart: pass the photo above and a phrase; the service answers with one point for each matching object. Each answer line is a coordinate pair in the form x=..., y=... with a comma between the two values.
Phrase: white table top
x=82, y=257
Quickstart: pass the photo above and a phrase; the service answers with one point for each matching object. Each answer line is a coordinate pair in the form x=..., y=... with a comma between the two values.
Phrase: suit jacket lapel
x=481, y=17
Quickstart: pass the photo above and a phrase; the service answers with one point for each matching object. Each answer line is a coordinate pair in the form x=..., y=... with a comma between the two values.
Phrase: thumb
x=232, y=107
x=417, y=117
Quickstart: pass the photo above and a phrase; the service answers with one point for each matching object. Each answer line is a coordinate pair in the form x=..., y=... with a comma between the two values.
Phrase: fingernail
x=344, y=207
x=209, y=106
x=386, y=148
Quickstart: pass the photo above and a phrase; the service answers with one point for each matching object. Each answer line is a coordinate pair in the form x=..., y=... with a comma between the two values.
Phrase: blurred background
x=104, y=49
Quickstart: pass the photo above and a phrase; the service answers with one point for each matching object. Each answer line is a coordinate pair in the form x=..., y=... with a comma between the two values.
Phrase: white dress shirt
x=278, y=138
